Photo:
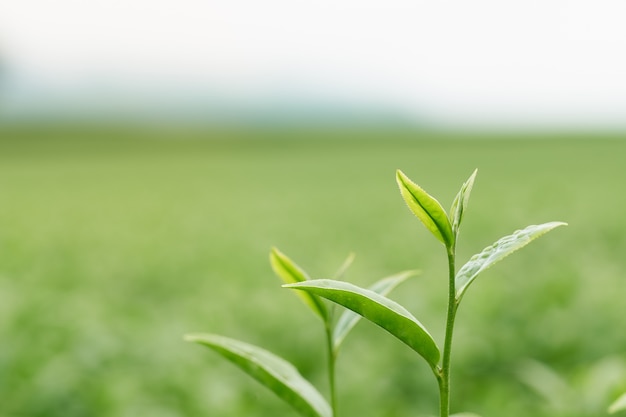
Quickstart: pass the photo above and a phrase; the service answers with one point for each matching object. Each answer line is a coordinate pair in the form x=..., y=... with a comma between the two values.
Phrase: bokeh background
x=151, y=154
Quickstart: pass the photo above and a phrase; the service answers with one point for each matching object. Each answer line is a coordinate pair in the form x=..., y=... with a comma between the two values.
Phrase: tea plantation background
x=116, y=242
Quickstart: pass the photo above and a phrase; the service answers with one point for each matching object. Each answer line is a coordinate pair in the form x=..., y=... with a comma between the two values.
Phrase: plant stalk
x=332, y=356
x=444, y=380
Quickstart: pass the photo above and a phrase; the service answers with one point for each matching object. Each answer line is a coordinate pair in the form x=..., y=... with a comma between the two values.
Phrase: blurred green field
x=114, y=243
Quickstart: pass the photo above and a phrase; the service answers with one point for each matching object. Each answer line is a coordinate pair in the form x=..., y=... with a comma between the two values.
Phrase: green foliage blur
x=114, y=242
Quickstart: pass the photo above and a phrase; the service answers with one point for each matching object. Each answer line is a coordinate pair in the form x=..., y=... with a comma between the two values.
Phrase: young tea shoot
x=396, y=319
x=322, y=295
x=276, y=373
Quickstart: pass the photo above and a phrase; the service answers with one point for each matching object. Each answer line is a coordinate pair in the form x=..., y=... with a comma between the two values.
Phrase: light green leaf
x=349, y=318
x=426, y=208
x=344, y=266
x=460, y=203
x=618, y=405
x=289, y=272
x=270, y=370
x=380, y=310
x=499, y=250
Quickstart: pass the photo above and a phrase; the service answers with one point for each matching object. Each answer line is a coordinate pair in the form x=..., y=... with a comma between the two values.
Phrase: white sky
x=466, y=62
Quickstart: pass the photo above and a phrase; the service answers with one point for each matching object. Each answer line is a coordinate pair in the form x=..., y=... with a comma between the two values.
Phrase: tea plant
x=372, y=304
x=276, y=373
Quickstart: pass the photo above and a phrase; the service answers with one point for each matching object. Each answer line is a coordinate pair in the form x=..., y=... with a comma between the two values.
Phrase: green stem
x=332, y=356
x=444, y=379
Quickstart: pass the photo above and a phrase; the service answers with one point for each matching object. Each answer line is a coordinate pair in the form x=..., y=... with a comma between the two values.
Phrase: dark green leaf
x=270, y=370
x=380, y=310
x=349, y=318
x=426, y=208
x=460, y=203
x=289, y=272
x=496, y=252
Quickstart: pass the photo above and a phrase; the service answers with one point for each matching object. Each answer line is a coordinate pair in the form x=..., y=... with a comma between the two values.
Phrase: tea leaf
x=344, y=266
x=289, y=272
x=618, y=405
x=426, y=208
x=378, y=309
x=349, y=318
x=499, y=250
x=460, y=203
x=270, y=370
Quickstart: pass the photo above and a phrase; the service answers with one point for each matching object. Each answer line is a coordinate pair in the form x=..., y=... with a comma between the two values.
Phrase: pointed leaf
x=426, y=208
x=270, y=370
x=618, y=405
x=460, y=203
x=349, y=318
x=494, y=253
x=380, y=310
x=344, y=266
x=289, y=272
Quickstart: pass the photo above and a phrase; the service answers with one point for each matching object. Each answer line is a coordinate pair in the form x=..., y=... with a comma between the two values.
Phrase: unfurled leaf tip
x=426, y=208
